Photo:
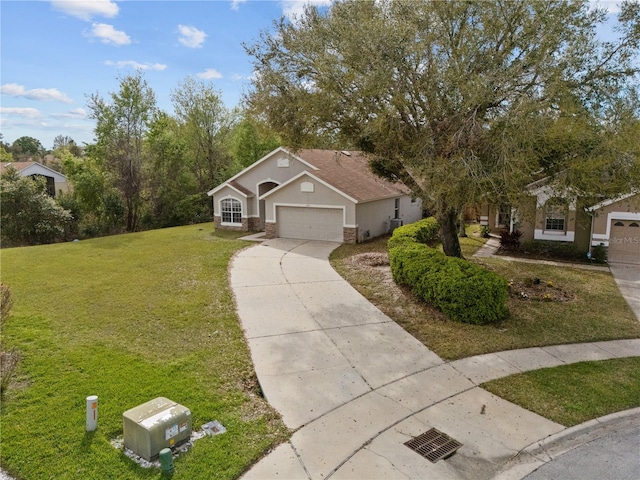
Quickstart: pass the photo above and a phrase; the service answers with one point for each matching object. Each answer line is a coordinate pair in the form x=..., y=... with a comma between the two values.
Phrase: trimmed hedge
x=462, y=290
x=425, y=231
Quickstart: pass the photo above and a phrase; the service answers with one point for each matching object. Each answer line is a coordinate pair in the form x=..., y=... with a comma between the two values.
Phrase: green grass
x=572, y=394
x=596, y=310
x=128, y=318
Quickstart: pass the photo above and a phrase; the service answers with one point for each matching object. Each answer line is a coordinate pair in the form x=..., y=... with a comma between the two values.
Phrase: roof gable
x=346, y=172
x=312, y=177
x=32, y=168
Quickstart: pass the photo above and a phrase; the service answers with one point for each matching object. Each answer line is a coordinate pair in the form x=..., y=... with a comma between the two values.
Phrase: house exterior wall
x=583, y=226
x=374, y=218
x=546, y=194
x=525, y=218
x=59, y=180
x=269, y=171
x=488, y=217
x=228, y=192
x=322, y=196
x=627, y=209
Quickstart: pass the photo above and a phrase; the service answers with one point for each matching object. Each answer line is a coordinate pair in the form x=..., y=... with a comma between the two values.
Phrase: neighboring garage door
x=310, y=223
x=624, y=242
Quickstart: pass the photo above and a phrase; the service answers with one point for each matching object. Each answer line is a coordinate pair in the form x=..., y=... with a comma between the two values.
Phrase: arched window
x=634, y=224
x=231, y=211
x=618, y=224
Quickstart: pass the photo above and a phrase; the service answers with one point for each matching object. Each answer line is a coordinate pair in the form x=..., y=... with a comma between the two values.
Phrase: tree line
x=464, y=102
x=147, y=168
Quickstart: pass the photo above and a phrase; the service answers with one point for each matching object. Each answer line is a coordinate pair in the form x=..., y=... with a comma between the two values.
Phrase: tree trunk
x=462, y=230
x=449, y=233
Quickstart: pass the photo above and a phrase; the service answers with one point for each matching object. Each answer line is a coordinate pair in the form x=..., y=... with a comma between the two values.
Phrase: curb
x=547, y=449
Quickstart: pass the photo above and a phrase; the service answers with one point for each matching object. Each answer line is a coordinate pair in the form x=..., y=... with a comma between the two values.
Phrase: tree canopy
x=121, y=127
x=462, y=101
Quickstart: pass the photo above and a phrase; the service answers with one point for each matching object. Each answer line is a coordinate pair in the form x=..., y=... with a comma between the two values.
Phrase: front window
x=555, y=218
x=231, y=211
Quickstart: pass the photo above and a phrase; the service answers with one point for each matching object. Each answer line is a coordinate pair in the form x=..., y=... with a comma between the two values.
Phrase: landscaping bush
x=425, y=231
x=599, y=254
x=554, y=250
x=510, y=240
x=463, y=291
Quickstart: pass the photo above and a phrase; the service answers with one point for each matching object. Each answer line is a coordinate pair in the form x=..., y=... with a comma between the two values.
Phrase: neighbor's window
x=555, y=218
x=231, y=211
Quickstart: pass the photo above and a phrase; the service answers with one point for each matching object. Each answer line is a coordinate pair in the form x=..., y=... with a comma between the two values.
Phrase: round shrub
x=425, y=231
x=462, y=290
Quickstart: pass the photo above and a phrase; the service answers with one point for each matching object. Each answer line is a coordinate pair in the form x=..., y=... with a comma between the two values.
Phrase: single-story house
x=56, y=181
x=547, y=215
x=313, y=194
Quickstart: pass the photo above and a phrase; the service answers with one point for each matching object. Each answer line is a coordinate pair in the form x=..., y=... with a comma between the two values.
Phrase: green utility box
x=157, y=424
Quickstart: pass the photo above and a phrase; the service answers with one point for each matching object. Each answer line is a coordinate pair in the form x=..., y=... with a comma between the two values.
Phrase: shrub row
x=559, y=250
x=425, y=231
x=462, y=290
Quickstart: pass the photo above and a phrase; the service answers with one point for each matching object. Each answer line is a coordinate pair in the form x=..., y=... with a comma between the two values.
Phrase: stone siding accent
x=254, y=224
x=350, y=234
x=270, y=230
x=217, y=223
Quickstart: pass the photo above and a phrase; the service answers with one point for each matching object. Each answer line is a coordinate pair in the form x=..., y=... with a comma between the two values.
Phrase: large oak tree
x=462, y=101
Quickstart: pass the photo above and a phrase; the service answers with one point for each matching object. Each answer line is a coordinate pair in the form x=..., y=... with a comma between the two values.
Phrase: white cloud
x=235, y=4
x=611, y=6
x=136, y=65
x=87, y=9
x=191, y=37
x=109, y=35
x=293, y=9
x=209, y=74
x=21, y=112
x=77, y=113
x=42, y=94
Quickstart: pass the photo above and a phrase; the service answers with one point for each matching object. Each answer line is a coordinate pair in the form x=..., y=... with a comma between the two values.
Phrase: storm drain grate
x=434, y=445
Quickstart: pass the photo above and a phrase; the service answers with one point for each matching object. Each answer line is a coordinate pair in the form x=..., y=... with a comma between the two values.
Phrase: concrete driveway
x=628, y=279
x=354, y=386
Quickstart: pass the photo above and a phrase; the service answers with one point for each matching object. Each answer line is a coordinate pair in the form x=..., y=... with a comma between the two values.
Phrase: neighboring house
x=548, y=215
x=313, y=194
x=56, y=182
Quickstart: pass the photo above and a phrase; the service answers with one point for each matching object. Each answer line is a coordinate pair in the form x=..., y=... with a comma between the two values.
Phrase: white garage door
x=310, y=223
x=624, y=242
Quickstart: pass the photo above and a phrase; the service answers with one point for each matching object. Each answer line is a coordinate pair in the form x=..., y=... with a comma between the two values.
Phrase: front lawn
x=548, y=305
x=128, y=318
x=572, y=394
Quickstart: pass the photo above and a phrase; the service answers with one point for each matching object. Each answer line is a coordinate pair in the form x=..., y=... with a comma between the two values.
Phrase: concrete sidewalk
x=355, y=386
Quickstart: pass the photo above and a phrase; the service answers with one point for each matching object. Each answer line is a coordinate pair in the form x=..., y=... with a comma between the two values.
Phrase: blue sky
x=56, y=53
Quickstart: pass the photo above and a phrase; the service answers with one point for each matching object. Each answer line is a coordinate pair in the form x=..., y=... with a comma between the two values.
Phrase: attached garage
x=310, y=223
x=624, y=242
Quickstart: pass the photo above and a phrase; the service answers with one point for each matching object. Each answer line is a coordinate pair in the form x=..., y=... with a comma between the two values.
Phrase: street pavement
x=354, y=386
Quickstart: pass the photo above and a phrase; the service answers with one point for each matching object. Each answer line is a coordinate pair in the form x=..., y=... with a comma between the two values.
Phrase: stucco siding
x=228, y=192
x=410, y=211
x=373, y=218
x=617, y=210
x=295, y=194
x=627, y=209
